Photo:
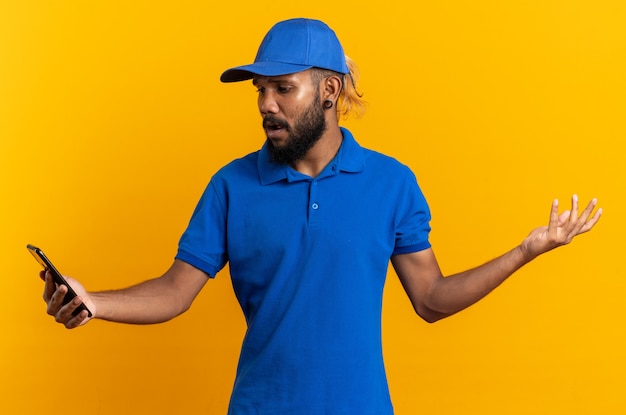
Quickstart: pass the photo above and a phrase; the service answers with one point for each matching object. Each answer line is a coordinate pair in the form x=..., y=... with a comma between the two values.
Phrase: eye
x=260, y=90
x=283, y=89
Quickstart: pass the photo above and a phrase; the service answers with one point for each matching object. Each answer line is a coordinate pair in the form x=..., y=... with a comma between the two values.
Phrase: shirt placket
x=314, y=205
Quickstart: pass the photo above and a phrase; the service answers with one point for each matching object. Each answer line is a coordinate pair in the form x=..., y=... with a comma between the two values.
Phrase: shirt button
x=315, y=206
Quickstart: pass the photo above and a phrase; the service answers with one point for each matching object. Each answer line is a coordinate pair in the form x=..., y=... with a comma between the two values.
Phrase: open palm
x=562, y=228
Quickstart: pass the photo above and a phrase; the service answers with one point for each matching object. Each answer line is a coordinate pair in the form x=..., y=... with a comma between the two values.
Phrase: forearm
x=434, y=296
x=448, y=295
x=152, y=301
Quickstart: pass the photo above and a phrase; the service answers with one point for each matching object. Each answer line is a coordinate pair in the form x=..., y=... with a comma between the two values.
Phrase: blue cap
x=293, y=46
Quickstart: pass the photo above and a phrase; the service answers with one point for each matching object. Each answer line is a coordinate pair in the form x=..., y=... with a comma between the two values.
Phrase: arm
x=434, y=296
x=153, y=301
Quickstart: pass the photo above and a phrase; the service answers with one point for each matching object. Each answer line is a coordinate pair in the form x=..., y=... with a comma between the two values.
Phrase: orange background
x=112, y=121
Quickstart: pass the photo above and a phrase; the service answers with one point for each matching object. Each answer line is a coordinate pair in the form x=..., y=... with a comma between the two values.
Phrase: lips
x=272, y=123
x=274, y=126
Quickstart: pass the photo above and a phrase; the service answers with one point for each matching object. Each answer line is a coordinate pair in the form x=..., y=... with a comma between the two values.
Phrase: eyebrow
x=270, y=79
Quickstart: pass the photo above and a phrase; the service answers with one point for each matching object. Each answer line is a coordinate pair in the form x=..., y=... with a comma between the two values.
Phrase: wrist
x=99, y=306
x=525, y=252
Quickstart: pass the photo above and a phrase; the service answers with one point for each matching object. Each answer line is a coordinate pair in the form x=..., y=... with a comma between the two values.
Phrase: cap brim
x=245, y=72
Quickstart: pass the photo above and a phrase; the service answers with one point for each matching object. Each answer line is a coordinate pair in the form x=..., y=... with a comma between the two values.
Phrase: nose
x=267, y=103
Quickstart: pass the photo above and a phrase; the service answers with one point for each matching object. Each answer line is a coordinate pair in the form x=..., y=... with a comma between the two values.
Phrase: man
x=308, y=225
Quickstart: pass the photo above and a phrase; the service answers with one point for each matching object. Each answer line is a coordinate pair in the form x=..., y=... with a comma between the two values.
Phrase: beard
x=305, y=132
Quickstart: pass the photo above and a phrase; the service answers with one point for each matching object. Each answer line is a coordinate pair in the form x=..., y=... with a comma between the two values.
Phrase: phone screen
x=58, y=278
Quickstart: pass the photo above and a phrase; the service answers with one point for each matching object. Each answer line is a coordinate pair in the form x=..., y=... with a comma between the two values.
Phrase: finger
x=591, y=222
x=554, y=217
x=568, y=220
x=64, y=314
x=588, y=209
x=574, y=206
x=77, y=320
x=564, y=217
x=49, y=287
x=55, y=301
x=581, y=222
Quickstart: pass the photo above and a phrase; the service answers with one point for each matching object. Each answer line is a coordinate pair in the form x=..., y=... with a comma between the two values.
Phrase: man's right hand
x=53, y=296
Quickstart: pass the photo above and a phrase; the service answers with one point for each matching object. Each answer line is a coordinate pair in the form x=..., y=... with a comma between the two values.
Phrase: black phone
x=57, y=277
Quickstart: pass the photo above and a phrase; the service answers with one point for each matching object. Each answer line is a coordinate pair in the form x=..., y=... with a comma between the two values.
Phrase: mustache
x=270, y=121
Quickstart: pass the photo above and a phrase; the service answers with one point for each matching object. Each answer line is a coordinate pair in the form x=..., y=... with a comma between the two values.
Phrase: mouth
x=273, y=127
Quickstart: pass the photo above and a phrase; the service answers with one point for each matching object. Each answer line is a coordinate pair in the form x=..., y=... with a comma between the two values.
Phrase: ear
x=331, y=88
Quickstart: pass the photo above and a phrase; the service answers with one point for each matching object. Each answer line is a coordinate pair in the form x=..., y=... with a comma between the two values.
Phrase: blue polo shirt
x=308, y=259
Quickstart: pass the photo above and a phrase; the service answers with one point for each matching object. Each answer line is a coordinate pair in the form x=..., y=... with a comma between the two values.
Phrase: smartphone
x=57, y=277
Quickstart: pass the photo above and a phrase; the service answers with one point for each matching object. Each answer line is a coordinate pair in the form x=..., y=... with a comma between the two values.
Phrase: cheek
x=292, y=110
x=293, y=105
x=304, y=102
x=304, y=95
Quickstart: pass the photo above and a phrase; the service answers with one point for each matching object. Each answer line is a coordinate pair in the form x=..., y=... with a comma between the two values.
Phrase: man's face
x=293, y=118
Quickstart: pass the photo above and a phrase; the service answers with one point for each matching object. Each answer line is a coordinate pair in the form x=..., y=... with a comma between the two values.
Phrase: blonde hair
x=350, y=101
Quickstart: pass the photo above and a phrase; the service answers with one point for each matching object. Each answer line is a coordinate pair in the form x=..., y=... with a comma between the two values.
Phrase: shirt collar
x=350, y=158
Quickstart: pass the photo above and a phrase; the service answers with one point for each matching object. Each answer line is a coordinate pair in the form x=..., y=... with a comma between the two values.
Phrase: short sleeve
x=203, y=244
x=413, y=223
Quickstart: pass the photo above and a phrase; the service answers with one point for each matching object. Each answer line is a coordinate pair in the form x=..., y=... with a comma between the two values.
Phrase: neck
x=322, y=153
